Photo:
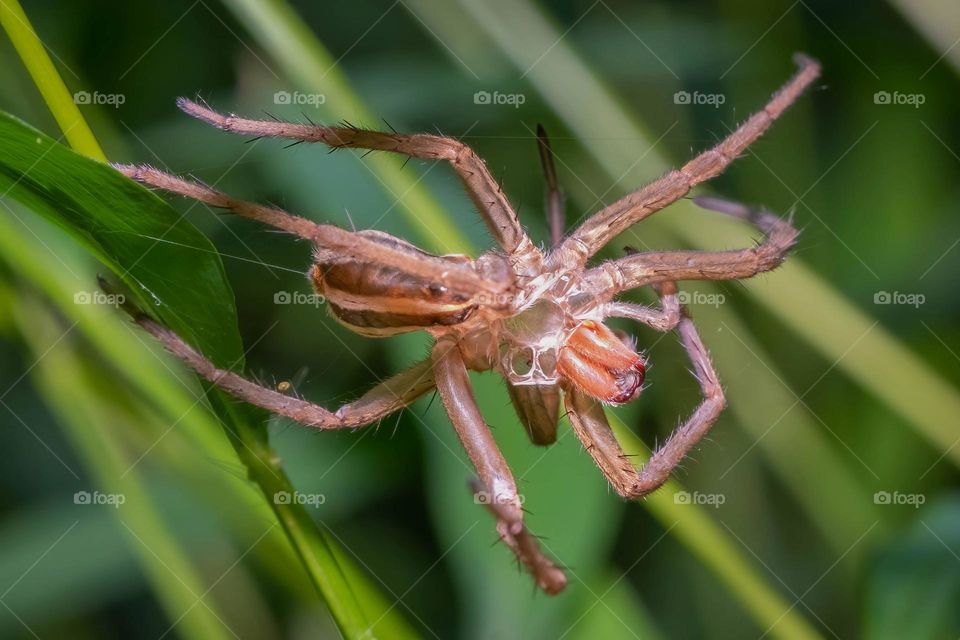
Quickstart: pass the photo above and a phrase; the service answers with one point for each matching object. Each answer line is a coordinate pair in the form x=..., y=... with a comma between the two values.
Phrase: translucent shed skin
x=534, y=315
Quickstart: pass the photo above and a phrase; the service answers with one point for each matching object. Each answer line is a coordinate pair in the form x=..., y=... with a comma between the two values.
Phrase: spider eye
x=599, y=362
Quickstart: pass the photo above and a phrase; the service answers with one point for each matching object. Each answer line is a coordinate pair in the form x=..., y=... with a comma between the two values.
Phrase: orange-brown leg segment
x=382, y=400
x=591, y=426
x=486, y=194
x=496, y=481
x=664, y=319
x=639, y=269
x=359, y=246
x=611, y=221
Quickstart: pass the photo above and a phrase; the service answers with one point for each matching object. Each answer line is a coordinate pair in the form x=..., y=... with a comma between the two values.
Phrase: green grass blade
x=717, y=550
x=938, y=21
x=92, y=427
x=198, y=435
x=33, y=54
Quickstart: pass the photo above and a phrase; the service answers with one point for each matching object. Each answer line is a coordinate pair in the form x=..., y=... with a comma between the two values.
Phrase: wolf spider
x=535, y=316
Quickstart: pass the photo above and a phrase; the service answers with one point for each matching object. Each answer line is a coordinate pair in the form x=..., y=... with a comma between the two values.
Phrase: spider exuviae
x=534, y=315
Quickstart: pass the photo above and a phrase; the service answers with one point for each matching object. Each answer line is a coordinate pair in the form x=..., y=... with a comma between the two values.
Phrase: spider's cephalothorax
x=535, y=316
x=533, y=335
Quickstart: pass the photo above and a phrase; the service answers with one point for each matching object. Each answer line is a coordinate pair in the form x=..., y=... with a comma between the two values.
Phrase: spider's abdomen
x=376, y=300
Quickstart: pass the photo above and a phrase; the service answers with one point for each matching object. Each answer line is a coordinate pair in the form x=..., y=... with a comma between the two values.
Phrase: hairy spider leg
x=486, y=193
x=603, y=226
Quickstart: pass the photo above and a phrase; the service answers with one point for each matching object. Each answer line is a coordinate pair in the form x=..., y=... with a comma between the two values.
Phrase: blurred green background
x=824, y=503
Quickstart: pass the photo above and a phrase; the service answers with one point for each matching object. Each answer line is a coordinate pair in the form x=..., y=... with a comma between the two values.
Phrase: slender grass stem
x=55, y=94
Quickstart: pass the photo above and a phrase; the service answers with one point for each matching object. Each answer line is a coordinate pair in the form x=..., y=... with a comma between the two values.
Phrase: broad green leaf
x=168, y=263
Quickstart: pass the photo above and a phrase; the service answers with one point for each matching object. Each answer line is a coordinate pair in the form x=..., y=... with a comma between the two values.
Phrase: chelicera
x=534, y=315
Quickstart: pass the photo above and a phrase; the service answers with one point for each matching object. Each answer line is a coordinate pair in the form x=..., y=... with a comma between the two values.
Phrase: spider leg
x=553, y=195
x=382, y=400
x=610, y=278
x=198, y=191
x=591, y=426
x=499, y=215
x=665, y=318
x=609, y=222
x=453, y=383
x=500, y=489
x=348, y=243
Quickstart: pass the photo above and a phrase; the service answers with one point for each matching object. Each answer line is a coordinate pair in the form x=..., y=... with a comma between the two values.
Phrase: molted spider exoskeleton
x=535, y=316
